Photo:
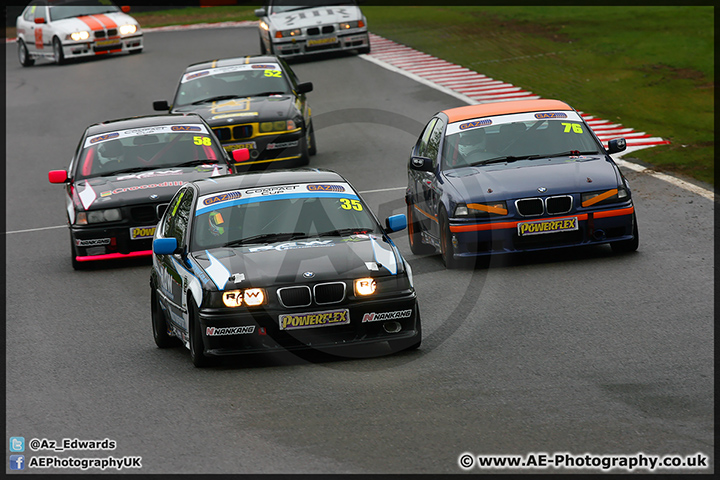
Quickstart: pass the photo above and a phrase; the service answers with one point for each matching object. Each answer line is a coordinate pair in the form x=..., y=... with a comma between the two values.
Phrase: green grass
x=649, y=68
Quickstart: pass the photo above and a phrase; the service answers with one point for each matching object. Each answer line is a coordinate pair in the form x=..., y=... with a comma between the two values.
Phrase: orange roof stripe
x=460, y=114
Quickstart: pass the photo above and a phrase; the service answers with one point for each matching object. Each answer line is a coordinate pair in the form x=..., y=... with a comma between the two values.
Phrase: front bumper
x=265, y=149
x=473, y=239
x=92, y=243
x=260, y=330
x=295, y=47
x=103, y=47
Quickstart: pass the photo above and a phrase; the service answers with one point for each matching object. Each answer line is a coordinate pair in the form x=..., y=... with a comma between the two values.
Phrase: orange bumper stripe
x=501, y=225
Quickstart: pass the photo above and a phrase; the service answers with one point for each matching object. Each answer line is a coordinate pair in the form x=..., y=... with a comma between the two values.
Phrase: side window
x=181, y=217
x=172, y=208
x=422, y=144
x=29, y=14
x=40, y=12
x=433, y=142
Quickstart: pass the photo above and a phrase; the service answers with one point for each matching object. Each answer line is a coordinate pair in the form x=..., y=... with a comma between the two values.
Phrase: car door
x=416, y=178
x=173, y=274
x=34, y=33
x=430, y=190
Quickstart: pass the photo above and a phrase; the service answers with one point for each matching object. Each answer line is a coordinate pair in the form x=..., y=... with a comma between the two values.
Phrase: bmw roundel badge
x=542, y=189
x=154, y=196
x=309, y=274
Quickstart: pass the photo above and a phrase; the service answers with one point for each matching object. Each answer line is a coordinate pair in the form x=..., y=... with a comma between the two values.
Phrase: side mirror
x=161, y=105
x=241, y=155
x=617, y=145
x=125, y=8
x=396, y=223
x=39, y=20
x=259, y=12
x=304, y=87
x=165, y=246
x=57, y=176
x=421, y=164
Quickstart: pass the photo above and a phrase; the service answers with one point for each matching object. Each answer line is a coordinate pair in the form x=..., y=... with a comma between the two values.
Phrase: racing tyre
x=136, y=51
x=304, y=150
x=312, y=146
x=159, y=324
x=197, y=353
x=23, y=55
x=627, y=246
x=415, y=234
x=447, y=250
x=58, y=55
x=263, y=50
x=364, y=50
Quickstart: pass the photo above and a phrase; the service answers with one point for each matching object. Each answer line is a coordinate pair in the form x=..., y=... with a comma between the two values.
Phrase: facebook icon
x=17, y=462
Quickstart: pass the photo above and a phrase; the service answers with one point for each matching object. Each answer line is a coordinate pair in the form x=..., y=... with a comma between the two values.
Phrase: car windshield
x=524, y=139
x=80, y=8
x=280, y=6
x=231, y=82
x=256, y=219
x=146, y=148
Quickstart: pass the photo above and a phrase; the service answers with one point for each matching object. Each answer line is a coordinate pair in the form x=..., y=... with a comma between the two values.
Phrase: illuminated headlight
x=348, y=25
x=613, y=195
x=365, y=286
x=288, y=33
x=251, y=297
x=98, y=216
x=264, y=26
x=277, y=126
x=78, y=36
x=482, y=210
x=128, y=29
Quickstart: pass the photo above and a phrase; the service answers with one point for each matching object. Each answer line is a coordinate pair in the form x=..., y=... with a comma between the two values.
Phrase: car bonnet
x=321, y=259
x=310, y=17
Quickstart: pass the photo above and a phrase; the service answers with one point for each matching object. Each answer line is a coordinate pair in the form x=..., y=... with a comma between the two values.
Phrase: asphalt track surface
x=581, y=352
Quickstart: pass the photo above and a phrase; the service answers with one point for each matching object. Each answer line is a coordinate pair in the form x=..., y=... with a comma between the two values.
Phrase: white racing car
x=290, y=30
x=81, y=28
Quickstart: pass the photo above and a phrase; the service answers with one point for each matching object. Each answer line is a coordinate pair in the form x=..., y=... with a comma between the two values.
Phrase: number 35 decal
x=348, y=204
x=202, y=141
x=576, y=127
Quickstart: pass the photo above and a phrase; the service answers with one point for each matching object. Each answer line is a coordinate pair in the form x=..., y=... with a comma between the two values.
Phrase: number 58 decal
x=348, y=204
x=202, y=141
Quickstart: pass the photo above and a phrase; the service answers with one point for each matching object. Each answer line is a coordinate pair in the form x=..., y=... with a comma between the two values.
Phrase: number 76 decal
x=576, y=127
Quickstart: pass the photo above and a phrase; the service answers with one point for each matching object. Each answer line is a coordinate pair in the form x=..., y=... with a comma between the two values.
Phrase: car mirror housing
x=259, y=12
x=422, y=164
x=304, y=87
x=617, y=145
x=161, y=105
x=395, y=223
x=57, y=176
x=39, y=20
x=165, y=246
x=241, y=155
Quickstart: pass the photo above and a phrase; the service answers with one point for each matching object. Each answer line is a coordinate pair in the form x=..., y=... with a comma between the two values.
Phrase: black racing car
x=122, y=176
x=281, y=260
x=254, y=102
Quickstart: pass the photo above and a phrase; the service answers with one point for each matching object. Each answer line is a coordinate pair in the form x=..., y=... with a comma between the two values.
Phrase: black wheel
x=312, y=146
x=136, y=51
x=197, y=348
x=159, y=323
x=447, y=248
x=58, y=55
x=627, y=246
x=263, y=50
x=409, y=343
x=24, y=55
x=415, y=234
x=364, y=50
x=304, y=151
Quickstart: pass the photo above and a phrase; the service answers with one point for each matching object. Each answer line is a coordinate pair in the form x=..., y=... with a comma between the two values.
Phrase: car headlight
x=250, y=297
x=365, y=286
x=263, y=25
x=277, y=126
x=98, y=216
x=78, y=36
x=288, y=33
x=481, y=210
x=614, y=195
x=348, y=25
x=128, y=29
